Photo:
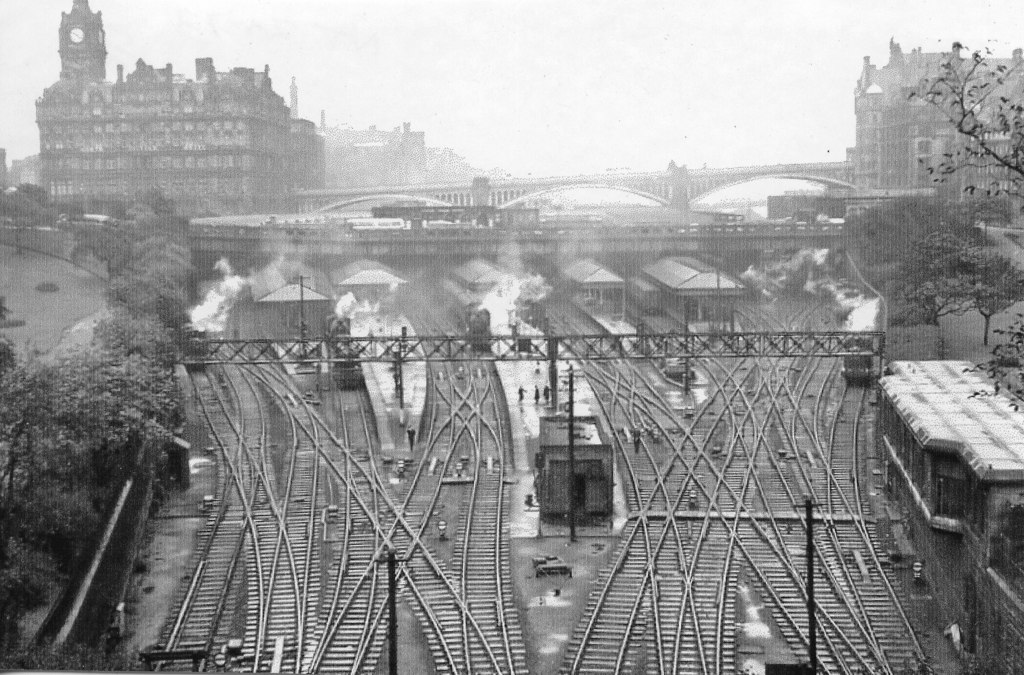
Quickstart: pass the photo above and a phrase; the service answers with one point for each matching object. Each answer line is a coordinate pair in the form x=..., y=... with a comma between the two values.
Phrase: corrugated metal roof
x=587, y=271
x=687, y=274
x=951, y=407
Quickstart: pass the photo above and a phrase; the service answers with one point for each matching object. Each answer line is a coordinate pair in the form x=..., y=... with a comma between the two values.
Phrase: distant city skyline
x=535, y=88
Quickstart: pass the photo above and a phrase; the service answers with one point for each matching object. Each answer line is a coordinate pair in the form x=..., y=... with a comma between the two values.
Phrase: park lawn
x=48, y=317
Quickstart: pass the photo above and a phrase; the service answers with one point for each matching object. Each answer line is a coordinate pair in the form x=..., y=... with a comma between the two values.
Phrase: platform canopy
x=951, y=407
x=590, y=274
x=689, y=276
x=372, y=278
x=478, y=273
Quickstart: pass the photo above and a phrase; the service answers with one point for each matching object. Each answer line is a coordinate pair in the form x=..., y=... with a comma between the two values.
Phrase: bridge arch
x=702, y=189
x=382, y=197
x=519, y=201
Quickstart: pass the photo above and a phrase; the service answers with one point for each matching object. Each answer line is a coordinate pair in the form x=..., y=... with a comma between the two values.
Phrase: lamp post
x=572, y=458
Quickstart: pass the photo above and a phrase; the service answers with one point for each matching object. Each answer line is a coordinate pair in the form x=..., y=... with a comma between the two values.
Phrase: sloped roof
x=372, y=278
x=464, y=297
x=949, y=406
x=687, y=274
x=277, y=276
x=477, y=272
x=588, y=272
x=292, y=293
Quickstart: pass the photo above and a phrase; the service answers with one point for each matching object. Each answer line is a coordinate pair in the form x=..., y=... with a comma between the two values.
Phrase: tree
x=980, y=96
x=937, y=276
x=71, y=432
x=998, y=284
x=35, y=193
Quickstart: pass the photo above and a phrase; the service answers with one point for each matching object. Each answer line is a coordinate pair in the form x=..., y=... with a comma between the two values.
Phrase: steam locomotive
x=860, y=369
x=478, y=329
x=348, y=373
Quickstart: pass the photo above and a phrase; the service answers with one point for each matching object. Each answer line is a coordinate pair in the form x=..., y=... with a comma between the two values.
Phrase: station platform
x=524, y=420
x=393, y=420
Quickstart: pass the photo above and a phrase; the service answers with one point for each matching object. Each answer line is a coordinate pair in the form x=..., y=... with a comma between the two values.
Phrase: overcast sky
x=532, y=86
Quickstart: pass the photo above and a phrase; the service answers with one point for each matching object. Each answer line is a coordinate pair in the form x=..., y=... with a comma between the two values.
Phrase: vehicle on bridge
x=378, y=224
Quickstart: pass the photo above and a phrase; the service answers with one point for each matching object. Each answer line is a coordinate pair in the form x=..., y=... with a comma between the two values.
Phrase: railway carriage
x=954, y=455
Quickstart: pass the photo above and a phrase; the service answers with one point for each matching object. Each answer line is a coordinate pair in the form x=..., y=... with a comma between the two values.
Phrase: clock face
x=77, y=35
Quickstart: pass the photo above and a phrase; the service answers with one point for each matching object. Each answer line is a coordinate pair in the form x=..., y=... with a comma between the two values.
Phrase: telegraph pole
x=393, y=615
x=302, y=314
x=812, y=623
x=572, y=458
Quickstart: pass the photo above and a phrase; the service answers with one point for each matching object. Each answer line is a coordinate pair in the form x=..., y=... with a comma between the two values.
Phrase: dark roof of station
x=684, y=274
x=477, y=272
x=462, y=296
x=587, y=272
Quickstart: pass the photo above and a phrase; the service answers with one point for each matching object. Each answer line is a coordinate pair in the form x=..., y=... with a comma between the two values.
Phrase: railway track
x=716, y=508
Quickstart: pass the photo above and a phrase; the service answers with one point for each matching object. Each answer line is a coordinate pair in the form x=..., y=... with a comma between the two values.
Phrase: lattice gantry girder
x=382, y=348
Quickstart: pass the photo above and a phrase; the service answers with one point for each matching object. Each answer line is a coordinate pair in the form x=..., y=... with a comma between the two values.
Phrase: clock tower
x=83, y=44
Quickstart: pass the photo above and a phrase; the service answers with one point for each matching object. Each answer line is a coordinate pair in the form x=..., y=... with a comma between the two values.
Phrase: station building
x=694, y=292
x=366, y=280
x=477, y=275
x=595, y=287
x=954, y=450
x=593, y=468
x=276, y=303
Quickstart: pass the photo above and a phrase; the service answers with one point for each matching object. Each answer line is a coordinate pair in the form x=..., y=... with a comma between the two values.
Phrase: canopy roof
x=950, y=407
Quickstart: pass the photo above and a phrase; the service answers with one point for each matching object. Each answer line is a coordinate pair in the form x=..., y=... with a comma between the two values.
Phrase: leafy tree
x=8, y=357
x=998, y=285
x=71, y=431
x=981, y=98
x=67, y=657
x=35, y=193
x=938, y=276
x=155, y=199
x=154, y=282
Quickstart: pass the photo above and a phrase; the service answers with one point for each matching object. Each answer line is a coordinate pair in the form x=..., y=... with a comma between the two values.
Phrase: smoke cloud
x=508, y=298
x=811, y=271
x=212, y=313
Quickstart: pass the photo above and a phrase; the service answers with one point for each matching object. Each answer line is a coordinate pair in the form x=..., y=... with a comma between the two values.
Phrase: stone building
x=223, y=142
x=899, y=137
